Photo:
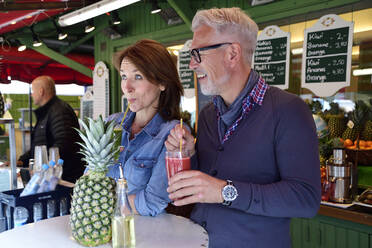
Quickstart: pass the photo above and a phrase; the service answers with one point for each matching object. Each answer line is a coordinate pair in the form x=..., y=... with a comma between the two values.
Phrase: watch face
x=229, y=193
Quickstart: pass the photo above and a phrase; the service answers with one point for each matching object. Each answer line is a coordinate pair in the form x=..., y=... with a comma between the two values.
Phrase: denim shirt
x=143, y=163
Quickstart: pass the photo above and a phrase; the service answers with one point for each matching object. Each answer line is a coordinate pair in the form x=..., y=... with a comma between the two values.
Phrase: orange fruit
x=348, y=142
x=362, y=143
x=369, y=143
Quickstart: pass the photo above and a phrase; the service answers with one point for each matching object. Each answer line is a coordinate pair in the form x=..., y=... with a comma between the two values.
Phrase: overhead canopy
x=27, y=65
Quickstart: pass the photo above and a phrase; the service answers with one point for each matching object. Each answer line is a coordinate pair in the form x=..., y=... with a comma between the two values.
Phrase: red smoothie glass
x=177, y=161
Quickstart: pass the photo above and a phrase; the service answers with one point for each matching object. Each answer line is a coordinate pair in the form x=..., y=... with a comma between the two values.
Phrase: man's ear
x=234, y=54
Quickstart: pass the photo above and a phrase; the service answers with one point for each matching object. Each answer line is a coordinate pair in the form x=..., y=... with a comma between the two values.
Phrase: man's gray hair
x=231, y=21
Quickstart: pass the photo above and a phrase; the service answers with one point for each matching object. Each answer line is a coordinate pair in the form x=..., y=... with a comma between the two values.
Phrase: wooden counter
x=353, y=214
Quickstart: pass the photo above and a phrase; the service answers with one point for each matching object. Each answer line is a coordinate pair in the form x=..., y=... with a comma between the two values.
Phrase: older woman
x=150, y=82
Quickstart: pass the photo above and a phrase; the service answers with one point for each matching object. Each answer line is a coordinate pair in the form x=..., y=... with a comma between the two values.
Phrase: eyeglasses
x=195, y=53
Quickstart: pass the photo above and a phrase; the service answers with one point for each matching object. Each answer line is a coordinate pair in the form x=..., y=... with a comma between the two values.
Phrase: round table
x=165, y=230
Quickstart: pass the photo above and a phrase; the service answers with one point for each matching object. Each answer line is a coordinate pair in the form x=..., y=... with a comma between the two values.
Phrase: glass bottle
x=123, y=233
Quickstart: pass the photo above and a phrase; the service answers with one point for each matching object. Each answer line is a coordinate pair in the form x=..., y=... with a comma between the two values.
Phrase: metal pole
x=13, y=161
x=30, y=113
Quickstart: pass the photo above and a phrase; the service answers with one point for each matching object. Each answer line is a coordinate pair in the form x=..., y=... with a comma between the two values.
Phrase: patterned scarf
x=256, y=96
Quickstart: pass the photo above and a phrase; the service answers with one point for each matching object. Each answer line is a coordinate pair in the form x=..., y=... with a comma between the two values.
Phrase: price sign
x=186, y=75
x=326, y=61
x=271, y=58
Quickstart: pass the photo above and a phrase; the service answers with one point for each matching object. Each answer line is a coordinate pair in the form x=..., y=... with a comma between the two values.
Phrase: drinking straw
x=125, y=114
x=181, y=137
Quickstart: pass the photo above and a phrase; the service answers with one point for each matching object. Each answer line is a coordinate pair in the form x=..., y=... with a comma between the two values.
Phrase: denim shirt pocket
x=141, y=170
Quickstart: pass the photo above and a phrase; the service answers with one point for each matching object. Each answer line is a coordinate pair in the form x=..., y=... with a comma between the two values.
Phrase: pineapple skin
x=92, y=207
x=336, y=126
x=351, y=133
x=367, y=131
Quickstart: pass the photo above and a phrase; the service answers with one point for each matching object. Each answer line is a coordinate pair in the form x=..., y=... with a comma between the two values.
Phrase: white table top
x=163, y=231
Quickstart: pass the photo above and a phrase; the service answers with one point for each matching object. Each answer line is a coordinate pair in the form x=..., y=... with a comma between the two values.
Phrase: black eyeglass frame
x=195, y=53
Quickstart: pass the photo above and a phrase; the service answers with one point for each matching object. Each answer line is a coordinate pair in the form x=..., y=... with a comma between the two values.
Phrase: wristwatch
x=229, y=193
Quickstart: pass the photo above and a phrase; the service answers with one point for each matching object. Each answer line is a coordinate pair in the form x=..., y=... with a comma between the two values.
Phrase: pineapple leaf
x=93, y=141
x=100, y=126
x=93, y=129
x=82, y=123
x=104, y=140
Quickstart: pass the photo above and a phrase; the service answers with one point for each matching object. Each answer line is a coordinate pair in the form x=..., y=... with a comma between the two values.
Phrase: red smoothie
x=175, y=165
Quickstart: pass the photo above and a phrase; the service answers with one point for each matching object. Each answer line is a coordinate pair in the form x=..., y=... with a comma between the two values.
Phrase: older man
x=55, y=125
x=256, y=156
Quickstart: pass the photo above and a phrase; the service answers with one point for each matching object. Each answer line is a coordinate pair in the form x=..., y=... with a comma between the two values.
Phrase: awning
x=27, y=65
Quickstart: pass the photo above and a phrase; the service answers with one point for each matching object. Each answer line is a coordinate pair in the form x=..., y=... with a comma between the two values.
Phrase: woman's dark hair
x=153, y=60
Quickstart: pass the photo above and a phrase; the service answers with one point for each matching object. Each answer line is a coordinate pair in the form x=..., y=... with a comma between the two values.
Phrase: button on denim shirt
x=143, y=162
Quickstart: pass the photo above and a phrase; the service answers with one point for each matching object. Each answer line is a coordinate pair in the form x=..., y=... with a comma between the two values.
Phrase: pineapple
x=357, y=119
x=93, y=199
x=367, y=130
x=336, y=123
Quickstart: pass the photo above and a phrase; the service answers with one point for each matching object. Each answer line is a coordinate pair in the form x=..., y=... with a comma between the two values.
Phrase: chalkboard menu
x=326, y=61
x=271, y=58
x=186, y=75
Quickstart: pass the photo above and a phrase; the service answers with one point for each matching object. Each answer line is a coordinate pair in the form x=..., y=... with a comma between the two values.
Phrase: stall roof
x=29, y=64
x=19, y=16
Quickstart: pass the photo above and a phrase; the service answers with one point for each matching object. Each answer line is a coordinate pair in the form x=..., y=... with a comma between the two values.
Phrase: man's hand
x=176, y=134
x=195, y=186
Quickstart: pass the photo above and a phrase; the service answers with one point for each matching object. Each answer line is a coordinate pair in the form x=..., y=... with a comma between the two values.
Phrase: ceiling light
x=89, y=28
x=115, y=18
x=21, y=47
x=155, y=7
x=92, y=10
x=362, y=72
x=61, y=35
x=37, y=42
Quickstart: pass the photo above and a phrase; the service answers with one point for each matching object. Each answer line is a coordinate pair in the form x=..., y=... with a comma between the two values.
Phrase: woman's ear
x=161, y=87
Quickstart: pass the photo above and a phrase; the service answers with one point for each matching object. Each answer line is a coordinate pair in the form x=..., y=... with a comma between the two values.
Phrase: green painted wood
x=329, y=235
x=161, y=36
x=97, y=31
x=43, y=49
x=183, y=10
x=284, y=9
x=296, y=233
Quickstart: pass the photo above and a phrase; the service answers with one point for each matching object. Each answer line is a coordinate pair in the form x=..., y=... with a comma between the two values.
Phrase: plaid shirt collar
x=255, y=97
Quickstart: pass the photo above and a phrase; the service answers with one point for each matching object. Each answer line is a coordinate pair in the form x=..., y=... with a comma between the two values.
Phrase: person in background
x=150, y=82
x=55, y=125
x=256, y=156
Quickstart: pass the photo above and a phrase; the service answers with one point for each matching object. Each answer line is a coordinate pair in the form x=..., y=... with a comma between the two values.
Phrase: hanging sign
x=186, y=75
x=271, y=58
x=326, y=60
x=101, y=91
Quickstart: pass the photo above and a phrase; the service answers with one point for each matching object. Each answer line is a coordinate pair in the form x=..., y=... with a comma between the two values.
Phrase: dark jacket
x=54, y=127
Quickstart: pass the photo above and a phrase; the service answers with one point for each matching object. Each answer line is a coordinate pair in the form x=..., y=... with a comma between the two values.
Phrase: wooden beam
x=183, y=10
x=43, y=49
x=83, y=40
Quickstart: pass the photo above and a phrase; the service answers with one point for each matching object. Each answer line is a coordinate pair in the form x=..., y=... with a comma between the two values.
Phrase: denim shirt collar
x=152, y=128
